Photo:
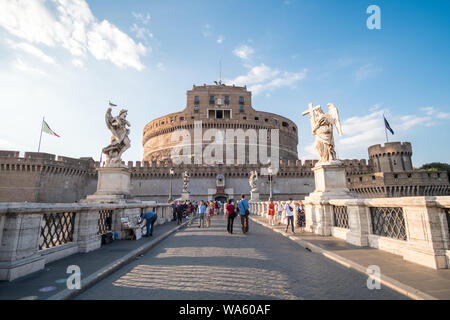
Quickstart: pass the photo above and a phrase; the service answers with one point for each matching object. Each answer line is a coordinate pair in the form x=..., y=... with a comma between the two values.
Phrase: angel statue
x=253, y=179
x=119, y=139
x=322, y=127
x=186, y=177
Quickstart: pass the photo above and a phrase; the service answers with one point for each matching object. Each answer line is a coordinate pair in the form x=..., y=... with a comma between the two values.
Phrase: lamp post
x=172, y=172
x=270, y=171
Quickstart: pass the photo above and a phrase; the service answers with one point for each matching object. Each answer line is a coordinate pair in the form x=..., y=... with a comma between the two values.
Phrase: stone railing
x=34, y=234
x=417, y=228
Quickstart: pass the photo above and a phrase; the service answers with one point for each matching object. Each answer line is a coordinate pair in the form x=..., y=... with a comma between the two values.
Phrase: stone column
x=19, y=247
x=427, y=233
x=358, y=220
x=88, y=238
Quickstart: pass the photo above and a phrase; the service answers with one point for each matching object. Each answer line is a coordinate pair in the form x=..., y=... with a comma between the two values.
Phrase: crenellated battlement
x=46, y=163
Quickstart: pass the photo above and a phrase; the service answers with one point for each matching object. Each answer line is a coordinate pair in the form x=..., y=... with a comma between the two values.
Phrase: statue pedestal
x=254, y=195
x=113, y=186
x=330, y=183
x=184, y=195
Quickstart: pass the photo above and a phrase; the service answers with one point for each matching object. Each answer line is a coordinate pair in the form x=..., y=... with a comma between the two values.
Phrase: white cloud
x=32, y=50
x=22, y=66
x=142, y=17
x=409, y=121
x=263, y=78
x=432, y=111
x=366, y=71
x=443, y=115
x=70, y=24
x=244, y=52
x=220, y=39
x=160, y=66
x=207, y=30
x=78, y=63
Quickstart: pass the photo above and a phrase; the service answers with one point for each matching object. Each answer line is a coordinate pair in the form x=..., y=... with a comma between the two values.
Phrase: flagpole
x=40, y=138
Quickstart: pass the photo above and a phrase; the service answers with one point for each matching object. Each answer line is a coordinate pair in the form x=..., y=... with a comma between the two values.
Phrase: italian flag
x=46, y=129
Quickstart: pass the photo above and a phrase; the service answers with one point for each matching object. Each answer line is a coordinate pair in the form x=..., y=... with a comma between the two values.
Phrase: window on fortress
x=227, y=114
x=293, y=129
x=227, y=99
x=241, y=100
x=241, y=109
x=219, y=114
x=181, y=118
x=256, y=118
x=195, y=109
x=285, y=124
x=197, y=99
x=211, y=99
x=275, y=122
x=211, y=114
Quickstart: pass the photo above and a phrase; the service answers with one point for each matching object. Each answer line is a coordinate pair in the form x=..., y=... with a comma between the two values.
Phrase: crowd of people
x=278, y=213
x=205, y=210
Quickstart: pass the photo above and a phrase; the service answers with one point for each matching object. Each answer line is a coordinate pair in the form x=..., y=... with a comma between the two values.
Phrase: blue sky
x=64, y=59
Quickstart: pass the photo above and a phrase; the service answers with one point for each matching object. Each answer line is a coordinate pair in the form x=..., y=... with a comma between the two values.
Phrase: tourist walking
x=271, y=213
x=230, y=211
x=301, y=218
x=191, y=212
x=209, y=214
x=149, y=218
x=280, y=208
x=180, y=211
x=174, y=210
x=201, y=214
x=244, y=213
x=289, y=208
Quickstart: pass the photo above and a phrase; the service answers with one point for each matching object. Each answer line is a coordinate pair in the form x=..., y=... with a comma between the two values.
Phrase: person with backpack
x=289, y=208
x=231, y=214
x=244, y=213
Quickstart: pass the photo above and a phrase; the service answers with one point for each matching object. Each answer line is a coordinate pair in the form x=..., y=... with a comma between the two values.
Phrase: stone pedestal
x=330, y=181
x=254, y=195
x=113, y=186
x=185, y=196
x=330, y=184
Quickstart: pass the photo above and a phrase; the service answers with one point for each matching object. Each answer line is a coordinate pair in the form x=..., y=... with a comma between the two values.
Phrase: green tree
x=436, y=166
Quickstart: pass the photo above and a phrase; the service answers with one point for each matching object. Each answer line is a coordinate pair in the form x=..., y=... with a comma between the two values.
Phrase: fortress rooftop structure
x=219, y=107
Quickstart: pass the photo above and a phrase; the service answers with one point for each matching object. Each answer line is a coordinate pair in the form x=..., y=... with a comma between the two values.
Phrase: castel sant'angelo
x=197, y=140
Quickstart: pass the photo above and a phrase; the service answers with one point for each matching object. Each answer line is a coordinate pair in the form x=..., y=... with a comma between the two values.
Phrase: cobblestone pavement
x=210, y=264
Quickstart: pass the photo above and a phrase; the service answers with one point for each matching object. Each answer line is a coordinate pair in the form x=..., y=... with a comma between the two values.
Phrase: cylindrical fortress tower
x=392, y=157
x=221, y=108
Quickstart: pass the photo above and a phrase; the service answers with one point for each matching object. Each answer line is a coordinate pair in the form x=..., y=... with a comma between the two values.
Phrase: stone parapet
x=34, y=234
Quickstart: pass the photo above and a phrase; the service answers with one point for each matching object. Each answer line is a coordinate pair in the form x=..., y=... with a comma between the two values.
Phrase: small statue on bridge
x=120, y=141
x=186, y=178
x=253, y=179
x=322, y=127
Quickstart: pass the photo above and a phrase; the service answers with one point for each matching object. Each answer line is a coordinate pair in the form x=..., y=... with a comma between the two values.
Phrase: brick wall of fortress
x=157, y=133
x=41, y=177
x=38, y=177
